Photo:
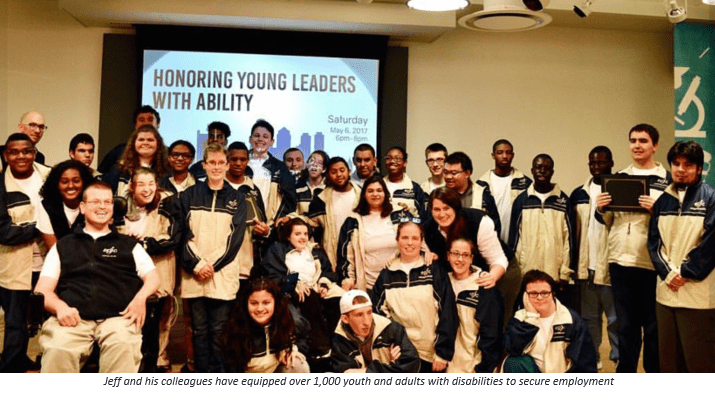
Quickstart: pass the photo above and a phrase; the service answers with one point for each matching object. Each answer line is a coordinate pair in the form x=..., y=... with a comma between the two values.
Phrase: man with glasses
x=32, y=124
x=21, y=248
x=214, y=214
x=434, y=158
x=96, y=283
x=218, y=132
x=457, y=175
x=545, y=336
x=405, y=194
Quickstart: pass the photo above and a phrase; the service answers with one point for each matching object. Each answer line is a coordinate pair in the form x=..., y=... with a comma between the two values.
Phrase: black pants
x=150, y=334
x=634, y=300
x=687, y=339
x=14, y=303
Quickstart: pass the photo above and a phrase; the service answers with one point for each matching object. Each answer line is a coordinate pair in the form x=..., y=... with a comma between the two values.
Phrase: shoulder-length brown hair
x=130, y=159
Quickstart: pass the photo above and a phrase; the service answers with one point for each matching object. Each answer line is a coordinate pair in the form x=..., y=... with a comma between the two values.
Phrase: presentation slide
x=314, y=103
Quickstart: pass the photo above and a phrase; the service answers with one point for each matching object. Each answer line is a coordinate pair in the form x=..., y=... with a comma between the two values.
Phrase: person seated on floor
x=545, y=336
x=96, y=283
x=261, y=334
x=367, y=342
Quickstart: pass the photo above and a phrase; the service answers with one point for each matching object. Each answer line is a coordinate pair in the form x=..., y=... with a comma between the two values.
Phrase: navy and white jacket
x=478, y=346
x=281, y=198
x=423, y=302
x=540, y=233
x=346, y=353
x=215, y=222
x=570, y=348
x=681, y=241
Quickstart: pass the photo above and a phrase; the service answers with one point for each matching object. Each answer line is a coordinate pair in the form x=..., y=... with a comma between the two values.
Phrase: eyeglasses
x=459, y=255
x=181, y=155
x=452, y=173
x=538, y=295
x=432, y=161
x=24, y=152
x=395, y=159
x=97, y=203
x=40, y=127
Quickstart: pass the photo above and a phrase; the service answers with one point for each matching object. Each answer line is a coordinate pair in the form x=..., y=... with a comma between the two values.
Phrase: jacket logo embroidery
x=426, y=273
x=561, y=201
x=110, y=252
x=233, y=204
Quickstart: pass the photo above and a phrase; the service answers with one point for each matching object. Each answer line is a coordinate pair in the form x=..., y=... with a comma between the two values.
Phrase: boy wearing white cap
x=364, y=342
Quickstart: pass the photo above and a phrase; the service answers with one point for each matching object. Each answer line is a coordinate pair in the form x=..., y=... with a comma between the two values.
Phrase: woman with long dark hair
x=450, y=222
x=260, y=334
x=61, y=194
x=367, y=238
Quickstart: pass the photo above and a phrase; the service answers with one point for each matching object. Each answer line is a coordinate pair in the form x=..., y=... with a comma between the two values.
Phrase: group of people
x=298, y=266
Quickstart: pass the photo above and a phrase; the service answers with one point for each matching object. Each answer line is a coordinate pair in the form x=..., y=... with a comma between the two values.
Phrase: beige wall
x=54, y=66
x=3, y=62
x=555, y=90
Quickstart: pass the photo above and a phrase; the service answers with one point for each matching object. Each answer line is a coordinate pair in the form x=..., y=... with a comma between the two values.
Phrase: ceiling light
x=709, y=2
x=505, y=16
x=674, y=12
x=537, y=5
x=364, y=1
x=583, y=8
x=437, y=5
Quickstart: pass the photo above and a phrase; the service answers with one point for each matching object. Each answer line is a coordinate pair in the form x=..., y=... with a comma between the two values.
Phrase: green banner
x=695, y=88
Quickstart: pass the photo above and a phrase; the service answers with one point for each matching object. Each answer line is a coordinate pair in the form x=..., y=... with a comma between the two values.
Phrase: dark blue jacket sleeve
x=344, y=239
x=655, y=241
x=581, y=350
x=235, y=239
x=274, y=266
x=518, y=336
x=448, y=319
x=170, y=208
x=701, y=260
x=490, y=316
x=516, y=220
x=326, y=268
x=409, y=360
x=12, y=234
x=490, y=205
x=286, y=186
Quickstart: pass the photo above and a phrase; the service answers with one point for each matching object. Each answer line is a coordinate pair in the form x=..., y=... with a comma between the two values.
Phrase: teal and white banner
x=695, y=88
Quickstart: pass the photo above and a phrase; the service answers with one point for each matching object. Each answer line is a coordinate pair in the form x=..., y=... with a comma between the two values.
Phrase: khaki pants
x=66, y=348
